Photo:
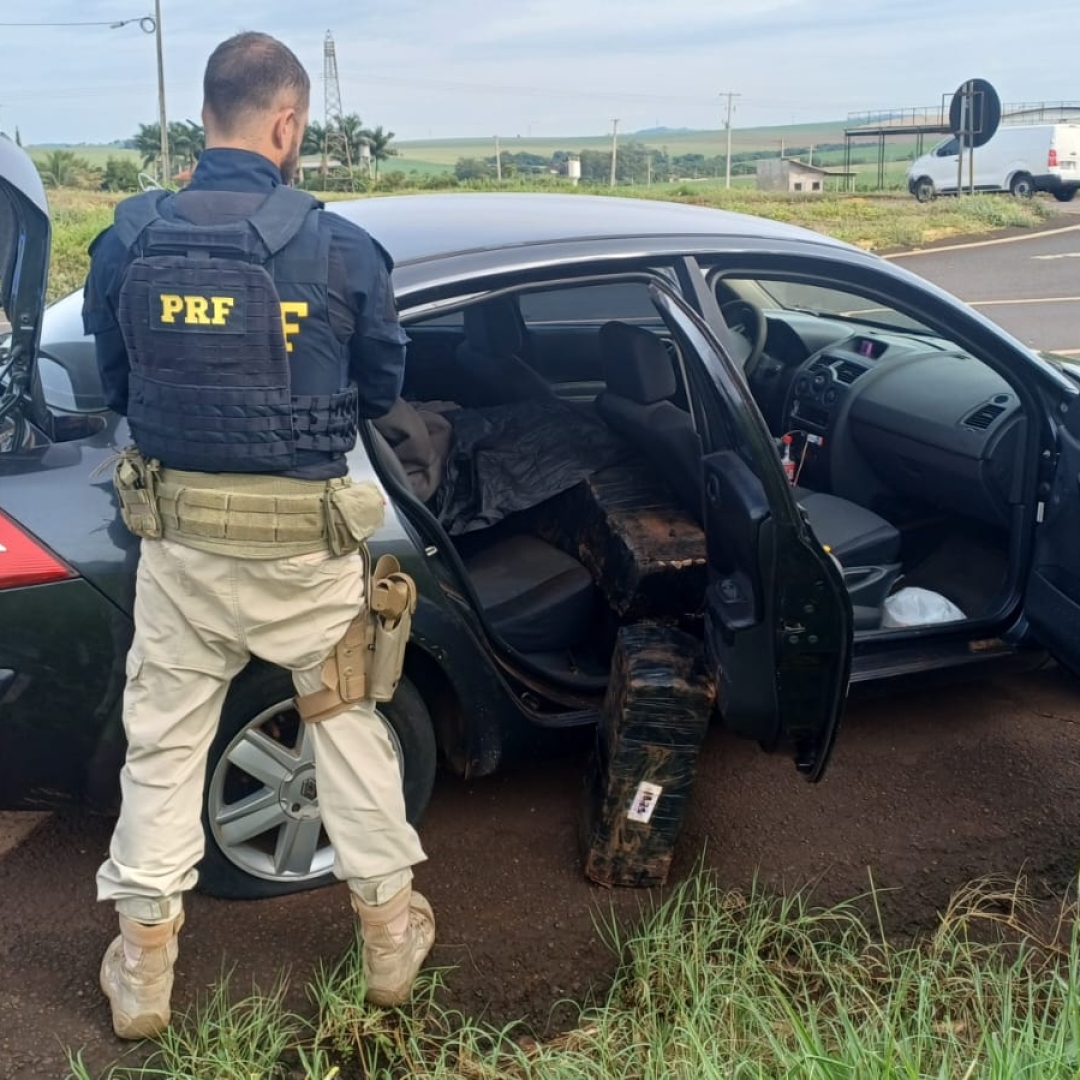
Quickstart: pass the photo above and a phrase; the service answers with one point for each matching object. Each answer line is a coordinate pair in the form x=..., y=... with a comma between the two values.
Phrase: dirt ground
x=926, y=790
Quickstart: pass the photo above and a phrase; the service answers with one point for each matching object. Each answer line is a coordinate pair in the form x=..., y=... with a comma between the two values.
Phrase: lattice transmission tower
x=337, y=143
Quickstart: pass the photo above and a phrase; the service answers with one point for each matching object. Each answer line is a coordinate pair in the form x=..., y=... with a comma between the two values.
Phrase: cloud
x=474, y=67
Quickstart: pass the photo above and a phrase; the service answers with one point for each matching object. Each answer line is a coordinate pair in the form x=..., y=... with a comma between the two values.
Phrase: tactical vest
x=224, y=309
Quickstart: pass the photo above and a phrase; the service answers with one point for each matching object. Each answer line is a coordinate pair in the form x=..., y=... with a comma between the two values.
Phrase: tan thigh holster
x=368, y=661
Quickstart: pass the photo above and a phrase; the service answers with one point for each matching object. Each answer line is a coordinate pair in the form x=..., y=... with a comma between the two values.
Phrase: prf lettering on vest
x=179, y=310
x=196, y=310
x=298, y=309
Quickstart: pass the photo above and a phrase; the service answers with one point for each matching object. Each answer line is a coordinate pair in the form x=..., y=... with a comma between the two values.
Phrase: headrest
x=636, y=363
x=494, y=327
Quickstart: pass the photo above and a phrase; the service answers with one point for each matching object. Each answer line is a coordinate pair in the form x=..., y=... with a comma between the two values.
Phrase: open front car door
x=24, y=267
x=778, y=619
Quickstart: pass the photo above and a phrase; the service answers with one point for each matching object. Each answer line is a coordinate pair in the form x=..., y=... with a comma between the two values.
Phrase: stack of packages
x=654, y=718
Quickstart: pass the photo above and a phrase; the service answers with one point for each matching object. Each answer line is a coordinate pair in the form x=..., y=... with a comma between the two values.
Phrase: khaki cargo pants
x=199, y=617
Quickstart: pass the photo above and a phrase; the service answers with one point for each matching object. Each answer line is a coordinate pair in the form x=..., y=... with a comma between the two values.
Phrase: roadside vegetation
x=873, y=222
x=711, y=984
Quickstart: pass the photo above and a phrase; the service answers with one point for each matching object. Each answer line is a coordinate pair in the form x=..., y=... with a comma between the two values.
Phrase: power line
x=112, y=24
x=730, y=95
x=614, y=147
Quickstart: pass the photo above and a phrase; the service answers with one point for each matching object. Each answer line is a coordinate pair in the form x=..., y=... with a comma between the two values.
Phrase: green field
x=95, y=155
x=432, y=156
x=709, y=143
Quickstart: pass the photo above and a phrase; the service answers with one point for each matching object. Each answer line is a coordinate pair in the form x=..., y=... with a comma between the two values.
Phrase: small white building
x=794, y=176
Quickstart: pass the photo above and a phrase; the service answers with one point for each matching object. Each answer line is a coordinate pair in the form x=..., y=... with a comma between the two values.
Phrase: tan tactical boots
x=398, y=935
x=137, y=976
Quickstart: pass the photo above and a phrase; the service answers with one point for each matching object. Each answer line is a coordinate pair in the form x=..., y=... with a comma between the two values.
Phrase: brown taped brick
x=654, y=717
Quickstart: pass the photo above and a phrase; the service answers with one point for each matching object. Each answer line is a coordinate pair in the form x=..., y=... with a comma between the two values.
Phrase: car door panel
x=778, y=620
x=1052, y=600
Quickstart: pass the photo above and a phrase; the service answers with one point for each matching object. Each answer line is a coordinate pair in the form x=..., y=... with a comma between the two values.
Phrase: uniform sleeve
x=100, y=302
x=377, y=344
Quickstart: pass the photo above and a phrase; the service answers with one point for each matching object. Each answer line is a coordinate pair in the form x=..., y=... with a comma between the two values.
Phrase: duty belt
x=247, y=515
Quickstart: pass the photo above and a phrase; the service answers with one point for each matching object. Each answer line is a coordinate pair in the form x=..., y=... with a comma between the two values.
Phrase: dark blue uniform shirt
x=362, y=308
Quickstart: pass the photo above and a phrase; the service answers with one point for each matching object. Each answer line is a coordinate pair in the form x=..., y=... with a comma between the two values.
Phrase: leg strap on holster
x=368, y=661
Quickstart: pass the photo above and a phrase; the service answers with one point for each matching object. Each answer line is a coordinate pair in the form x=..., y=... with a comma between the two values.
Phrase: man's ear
x=279, y=134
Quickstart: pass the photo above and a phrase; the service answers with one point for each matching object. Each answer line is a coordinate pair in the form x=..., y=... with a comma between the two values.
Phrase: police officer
x=241, y=328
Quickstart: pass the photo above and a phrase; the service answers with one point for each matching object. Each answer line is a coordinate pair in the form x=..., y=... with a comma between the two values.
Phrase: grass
x=871, y=221
x=712, y=984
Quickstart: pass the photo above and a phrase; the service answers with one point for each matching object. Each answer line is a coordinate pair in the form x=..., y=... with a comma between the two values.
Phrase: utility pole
x=498, y=160
x=648, y=170
x=162, y=123
x=730, y=106
x=614, y=147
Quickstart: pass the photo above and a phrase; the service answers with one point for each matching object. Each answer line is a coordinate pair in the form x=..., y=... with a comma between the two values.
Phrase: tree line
x=186, y=142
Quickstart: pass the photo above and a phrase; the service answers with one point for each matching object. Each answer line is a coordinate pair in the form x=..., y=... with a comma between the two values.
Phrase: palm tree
x=187, y=140
x=352, y=127
x=147, y=141
x=314, y=142
x=314, y=139
x=379, y=141
x=63, y=168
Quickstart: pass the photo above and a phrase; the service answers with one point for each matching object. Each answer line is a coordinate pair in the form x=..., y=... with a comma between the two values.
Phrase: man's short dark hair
x=247, y=74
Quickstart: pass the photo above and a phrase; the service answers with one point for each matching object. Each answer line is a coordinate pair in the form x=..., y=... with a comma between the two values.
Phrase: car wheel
x=925, y=190
x=1022, y=186
x=1065, y=194
x=264, y=834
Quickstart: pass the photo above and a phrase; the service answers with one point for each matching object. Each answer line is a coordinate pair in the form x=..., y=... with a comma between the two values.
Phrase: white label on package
x=645, y=800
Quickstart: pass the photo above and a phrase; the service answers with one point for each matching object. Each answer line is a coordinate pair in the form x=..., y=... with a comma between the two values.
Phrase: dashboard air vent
x=984, y=417
x=847, y=372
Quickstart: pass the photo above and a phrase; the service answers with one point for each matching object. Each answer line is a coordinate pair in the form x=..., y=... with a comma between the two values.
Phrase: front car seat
x=640, y=378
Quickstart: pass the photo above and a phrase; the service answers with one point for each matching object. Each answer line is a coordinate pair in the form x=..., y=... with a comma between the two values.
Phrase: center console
x=820, y=387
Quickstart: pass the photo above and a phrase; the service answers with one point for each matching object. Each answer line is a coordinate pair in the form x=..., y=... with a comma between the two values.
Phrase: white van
x=1021, y=159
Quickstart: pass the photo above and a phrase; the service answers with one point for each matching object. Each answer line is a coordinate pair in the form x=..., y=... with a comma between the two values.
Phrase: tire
x=924, y=190
x=259, y=721
x=1022, y=186
x=1065, y=194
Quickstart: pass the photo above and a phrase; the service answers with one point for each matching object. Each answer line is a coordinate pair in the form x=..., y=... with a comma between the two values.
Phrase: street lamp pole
x=161, y=96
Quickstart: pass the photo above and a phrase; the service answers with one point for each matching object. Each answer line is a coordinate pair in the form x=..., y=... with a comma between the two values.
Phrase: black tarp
x=507, y=458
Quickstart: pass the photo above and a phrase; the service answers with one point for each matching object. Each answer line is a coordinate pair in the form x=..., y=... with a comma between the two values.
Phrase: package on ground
x=655, y=715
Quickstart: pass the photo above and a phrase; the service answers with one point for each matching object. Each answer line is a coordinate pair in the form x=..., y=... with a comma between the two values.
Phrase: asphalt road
x=1029, y=284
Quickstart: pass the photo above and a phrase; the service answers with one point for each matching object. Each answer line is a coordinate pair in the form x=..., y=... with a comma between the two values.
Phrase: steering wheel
x=748, y=321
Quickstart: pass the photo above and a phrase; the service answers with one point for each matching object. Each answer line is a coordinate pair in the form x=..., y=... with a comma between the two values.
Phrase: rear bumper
x=1051, y=182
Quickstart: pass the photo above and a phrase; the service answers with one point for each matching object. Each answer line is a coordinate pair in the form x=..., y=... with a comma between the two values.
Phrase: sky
x=478, y=68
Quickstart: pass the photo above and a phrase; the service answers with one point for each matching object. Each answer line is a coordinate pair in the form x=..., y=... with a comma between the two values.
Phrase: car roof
x=419, y=228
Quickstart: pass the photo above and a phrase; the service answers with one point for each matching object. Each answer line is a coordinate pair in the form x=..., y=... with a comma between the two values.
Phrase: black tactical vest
x=224, y=309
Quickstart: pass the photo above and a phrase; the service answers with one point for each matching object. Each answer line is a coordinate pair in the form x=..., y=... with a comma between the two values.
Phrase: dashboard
x=893, y=412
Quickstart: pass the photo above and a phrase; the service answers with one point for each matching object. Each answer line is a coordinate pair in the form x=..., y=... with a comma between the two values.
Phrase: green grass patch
x=95, y=155
x=712, y=984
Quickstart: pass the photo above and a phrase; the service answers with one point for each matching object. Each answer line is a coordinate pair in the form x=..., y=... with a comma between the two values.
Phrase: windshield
x=823, y=301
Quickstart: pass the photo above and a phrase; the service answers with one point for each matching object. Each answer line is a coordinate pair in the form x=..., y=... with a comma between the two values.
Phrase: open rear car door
x=24, y=268
x=778, y=619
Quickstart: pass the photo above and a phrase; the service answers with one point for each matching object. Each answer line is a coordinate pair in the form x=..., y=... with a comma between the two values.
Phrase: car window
x=516, y=345
x=627, y=301
x=948, y=149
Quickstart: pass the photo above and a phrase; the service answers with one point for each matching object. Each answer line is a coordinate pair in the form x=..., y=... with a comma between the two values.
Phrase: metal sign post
x=974, y=116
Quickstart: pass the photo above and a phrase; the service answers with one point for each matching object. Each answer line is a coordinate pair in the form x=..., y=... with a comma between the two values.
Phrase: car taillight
x=23, y=561
x=1052, y=161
